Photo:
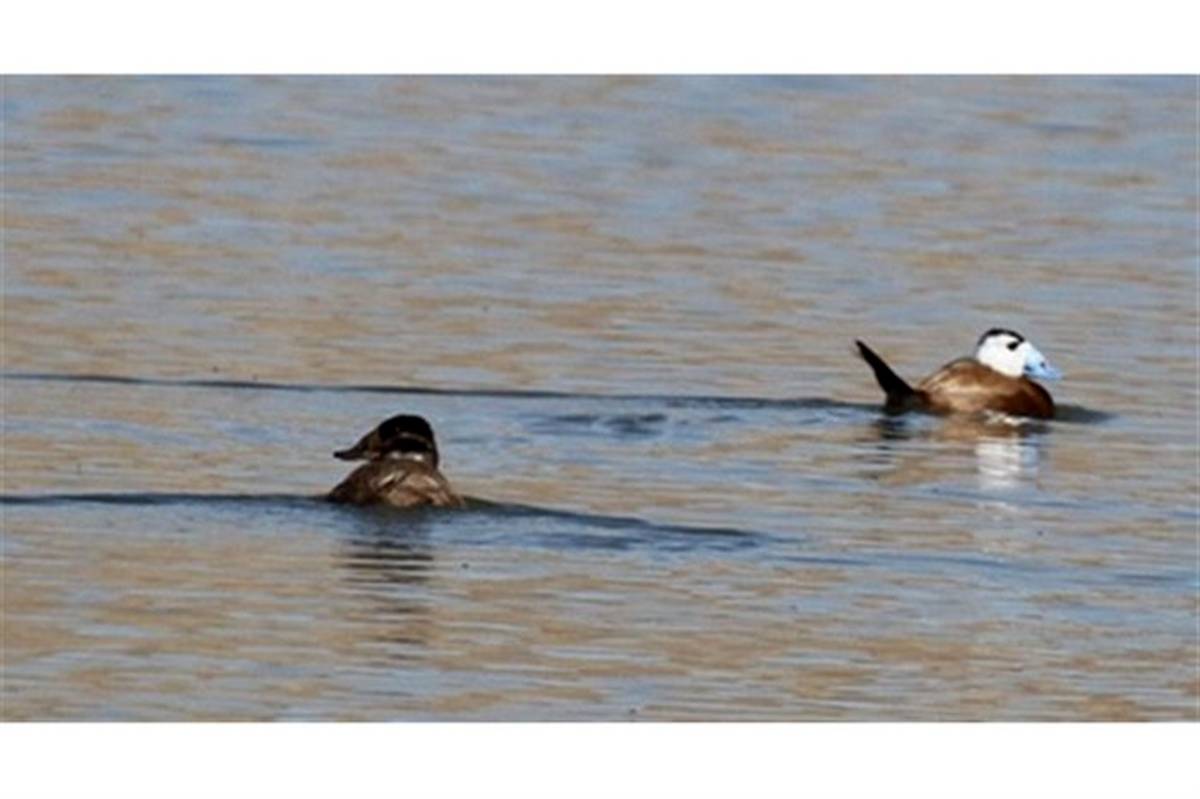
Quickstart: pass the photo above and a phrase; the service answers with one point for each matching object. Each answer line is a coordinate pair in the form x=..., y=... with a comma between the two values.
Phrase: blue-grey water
x=628, y=307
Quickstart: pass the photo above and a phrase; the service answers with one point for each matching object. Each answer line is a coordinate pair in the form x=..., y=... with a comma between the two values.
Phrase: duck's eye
x=1012, y=345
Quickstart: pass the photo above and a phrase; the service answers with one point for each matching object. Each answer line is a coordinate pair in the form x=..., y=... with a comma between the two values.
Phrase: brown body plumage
x=399, y=482
x=967, y=386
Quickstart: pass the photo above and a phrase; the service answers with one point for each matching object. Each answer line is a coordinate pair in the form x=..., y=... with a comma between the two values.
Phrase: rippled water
x=628, y=306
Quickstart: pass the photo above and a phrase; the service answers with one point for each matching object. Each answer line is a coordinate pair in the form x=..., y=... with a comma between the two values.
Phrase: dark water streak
x=1066, y=412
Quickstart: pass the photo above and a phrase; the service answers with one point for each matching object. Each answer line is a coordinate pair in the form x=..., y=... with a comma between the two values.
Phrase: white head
x=1010, y=354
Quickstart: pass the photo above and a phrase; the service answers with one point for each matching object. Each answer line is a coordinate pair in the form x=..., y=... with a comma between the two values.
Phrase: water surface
x=628, y=307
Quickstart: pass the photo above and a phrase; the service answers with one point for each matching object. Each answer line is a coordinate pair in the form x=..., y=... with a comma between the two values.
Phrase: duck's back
x=399, y=483
x=967, y=386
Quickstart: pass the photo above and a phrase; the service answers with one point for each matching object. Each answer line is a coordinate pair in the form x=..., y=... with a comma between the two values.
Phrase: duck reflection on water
x=386, y=563
x=1007, y=451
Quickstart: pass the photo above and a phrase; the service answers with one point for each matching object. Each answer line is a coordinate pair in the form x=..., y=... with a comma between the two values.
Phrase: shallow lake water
x=628, y=307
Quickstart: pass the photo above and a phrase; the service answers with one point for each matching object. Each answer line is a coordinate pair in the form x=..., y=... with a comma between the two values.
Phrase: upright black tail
x=899, y=393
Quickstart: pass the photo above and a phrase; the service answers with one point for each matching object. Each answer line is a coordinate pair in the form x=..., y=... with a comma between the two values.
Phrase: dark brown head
x=403, y=436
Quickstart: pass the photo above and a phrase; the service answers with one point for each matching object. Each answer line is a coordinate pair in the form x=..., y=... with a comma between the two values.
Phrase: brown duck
x=401, y=468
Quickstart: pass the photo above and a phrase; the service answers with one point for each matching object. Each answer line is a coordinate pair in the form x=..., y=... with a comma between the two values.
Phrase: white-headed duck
x=997, y=379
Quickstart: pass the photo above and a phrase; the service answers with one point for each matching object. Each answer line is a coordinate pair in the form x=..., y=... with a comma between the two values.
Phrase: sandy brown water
x=628, y=307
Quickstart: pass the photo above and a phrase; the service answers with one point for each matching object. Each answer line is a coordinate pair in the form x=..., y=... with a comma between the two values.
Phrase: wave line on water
x=474, y=505
x=514, y=509
x=147, y=498
x=495, y=393
x=1069, y=413
x=607, y=531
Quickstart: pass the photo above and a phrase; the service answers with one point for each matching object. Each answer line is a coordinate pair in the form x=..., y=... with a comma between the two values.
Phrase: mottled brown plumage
x=399, y=482
x=401, y=469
